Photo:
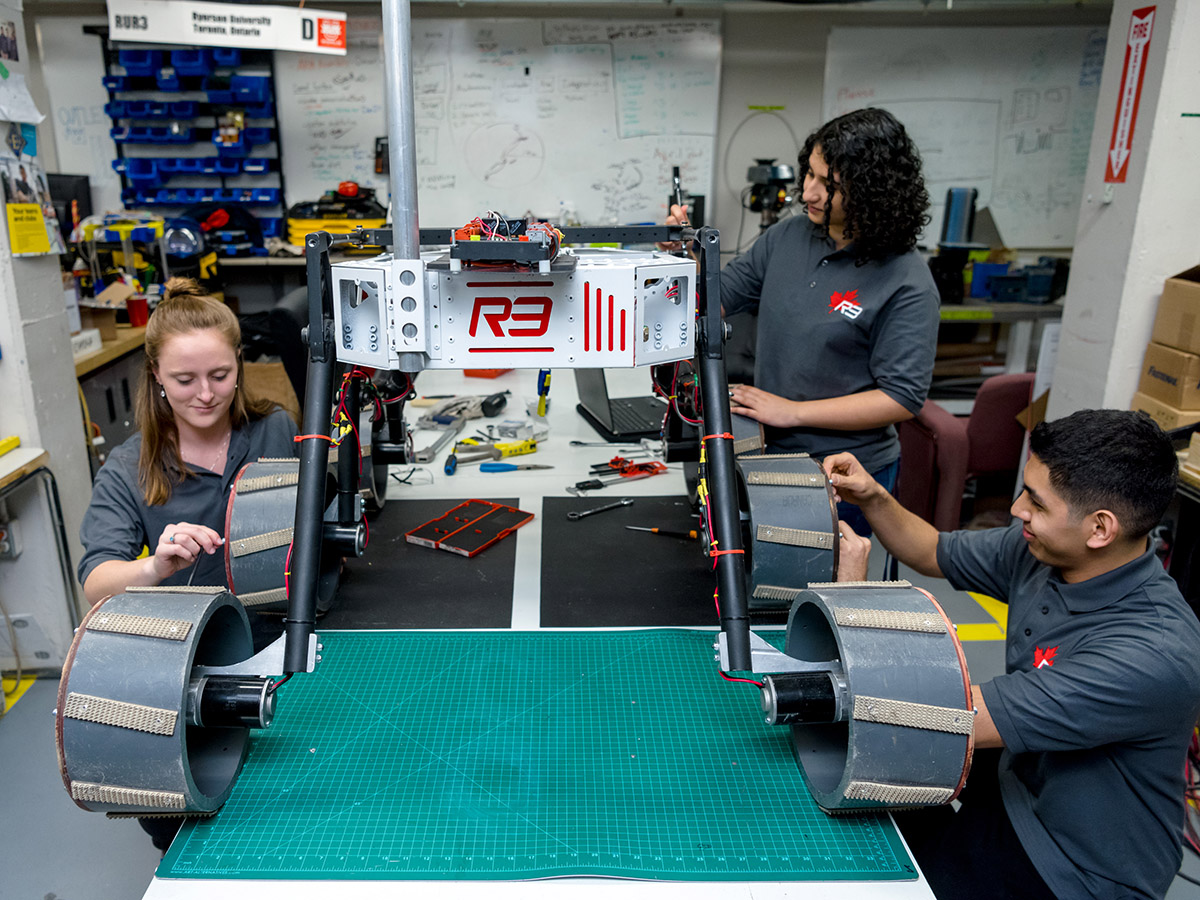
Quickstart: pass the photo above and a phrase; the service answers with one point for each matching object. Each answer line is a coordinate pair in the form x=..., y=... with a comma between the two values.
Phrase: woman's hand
x=770, y=409
x=181, y=544
x=854, y=552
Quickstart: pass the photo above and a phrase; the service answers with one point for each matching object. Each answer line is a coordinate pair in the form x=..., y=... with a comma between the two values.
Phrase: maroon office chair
x=939, y=451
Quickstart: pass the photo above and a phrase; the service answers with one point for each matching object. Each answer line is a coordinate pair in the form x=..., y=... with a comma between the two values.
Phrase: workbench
x=326, y=704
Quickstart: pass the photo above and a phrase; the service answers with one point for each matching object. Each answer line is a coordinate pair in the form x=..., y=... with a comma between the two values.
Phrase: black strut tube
x=349, y=458
x=722, y=486
x=314, y=459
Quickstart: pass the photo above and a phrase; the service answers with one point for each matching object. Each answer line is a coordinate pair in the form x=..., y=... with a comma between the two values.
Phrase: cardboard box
x=1168, y=417
x=1178, y=321
x=1171, y=376
x=270, y=380
x=100, y=318
x=85, y=342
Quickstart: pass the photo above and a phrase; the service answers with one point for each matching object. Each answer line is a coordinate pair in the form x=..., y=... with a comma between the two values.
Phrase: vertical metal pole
x=402, y=140
x=349, y=458
x=301, y=616
x=722, y=487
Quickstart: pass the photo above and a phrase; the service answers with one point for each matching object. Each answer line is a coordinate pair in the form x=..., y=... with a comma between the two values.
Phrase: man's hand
x=757, y=404
x=851, y=482
x=854, y=552
x=678, y=216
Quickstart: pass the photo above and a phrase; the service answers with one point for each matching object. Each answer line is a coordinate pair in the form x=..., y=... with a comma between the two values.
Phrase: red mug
x=139, y=311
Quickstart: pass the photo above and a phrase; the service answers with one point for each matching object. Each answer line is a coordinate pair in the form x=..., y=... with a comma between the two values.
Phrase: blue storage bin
x=164, y=196
x=223, y=166
x=256, y=165
x=272, y=226
x=264, y=111
x=1041, y=278
x=142, y=172
x=981, y=272
x=1009, y=288
x=179, y=136
x=114, y=82
x=130, y=196
x=250, y=89
x=192, y=62
x=267, y=196
x=166, y=165
x=137, y=109
x=120, y=134
x=156, y=134
x=226, y=56
x=184, y=109
x=217, y=89
x=156, y=110
x=189, y=166
x=188, y=196
x=230, y=148
x=139, y=62
x=168, y=80
x=115, y=109
x=256, y=136
x=119, y=165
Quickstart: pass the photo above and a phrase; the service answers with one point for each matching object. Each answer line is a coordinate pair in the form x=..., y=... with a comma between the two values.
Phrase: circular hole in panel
x=407, y=277
x=408, y=304
x=410, y=330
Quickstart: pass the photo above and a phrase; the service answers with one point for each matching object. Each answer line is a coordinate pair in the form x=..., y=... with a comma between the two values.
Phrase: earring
x=162, y=392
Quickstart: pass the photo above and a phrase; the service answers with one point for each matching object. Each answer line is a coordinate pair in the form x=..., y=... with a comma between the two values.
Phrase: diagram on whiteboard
x=1008, y=111
x=505, y=154
x=520, y=116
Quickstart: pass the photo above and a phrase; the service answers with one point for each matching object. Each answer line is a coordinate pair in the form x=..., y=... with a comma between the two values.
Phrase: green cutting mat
x=513, y=755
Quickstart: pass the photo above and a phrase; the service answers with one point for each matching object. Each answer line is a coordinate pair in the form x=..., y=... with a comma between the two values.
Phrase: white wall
x=773, y=55
x=1126, y=248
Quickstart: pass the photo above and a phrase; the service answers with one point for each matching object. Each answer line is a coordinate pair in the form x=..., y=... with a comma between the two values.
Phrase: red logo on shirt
x=1043, y=657
x=844, y=303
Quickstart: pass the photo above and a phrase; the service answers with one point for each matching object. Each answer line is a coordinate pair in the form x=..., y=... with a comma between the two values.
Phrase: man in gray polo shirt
x=1102, y=672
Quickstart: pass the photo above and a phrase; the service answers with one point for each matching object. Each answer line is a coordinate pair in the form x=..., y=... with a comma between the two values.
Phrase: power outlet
x=34, y=646
x=10, y=539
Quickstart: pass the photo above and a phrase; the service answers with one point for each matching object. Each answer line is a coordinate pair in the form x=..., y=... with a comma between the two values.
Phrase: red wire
x=743, y=680
x=287, y=571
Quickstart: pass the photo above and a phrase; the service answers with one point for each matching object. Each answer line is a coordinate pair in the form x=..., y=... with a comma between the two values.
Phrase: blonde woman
x=166, y=488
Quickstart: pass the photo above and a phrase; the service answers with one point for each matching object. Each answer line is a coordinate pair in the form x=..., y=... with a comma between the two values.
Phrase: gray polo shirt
x=1101, y=691
x=118, y=523
x=828, y=327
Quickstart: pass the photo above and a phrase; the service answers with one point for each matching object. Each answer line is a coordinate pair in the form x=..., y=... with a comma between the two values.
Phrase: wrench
x=576, y=516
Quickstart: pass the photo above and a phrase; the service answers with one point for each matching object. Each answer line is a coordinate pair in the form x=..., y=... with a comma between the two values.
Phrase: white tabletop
x=529, y=487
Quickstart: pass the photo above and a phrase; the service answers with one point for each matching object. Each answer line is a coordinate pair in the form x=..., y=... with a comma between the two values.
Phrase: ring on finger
x=171, y=539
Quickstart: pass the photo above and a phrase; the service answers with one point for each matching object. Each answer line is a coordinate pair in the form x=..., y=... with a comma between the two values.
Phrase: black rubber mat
x=595, y=573
x=396, y=584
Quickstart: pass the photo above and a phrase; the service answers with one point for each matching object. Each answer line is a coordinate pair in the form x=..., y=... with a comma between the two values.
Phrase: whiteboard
x=1008, y=111
x=568, y=119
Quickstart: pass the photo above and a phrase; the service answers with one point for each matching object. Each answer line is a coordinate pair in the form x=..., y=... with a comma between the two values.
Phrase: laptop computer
x=617, y=419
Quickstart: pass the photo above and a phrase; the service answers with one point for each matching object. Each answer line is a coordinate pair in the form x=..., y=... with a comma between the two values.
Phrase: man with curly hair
x=847, y=308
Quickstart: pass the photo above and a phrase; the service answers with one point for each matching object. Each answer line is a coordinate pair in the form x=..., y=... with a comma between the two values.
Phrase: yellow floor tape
x=986, y=631
x=13, y=691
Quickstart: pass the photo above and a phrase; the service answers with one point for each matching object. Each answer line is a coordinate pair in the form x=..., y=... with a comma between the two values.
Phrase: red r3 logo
x=495, y=311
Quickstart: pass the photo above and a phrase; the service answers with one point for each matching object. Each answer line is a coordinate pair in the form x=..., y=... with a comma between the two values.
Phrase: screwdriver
x=507, y=467
x=691, y=535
